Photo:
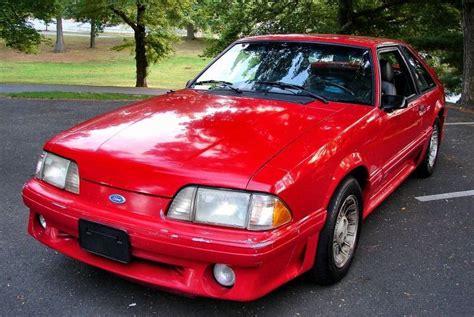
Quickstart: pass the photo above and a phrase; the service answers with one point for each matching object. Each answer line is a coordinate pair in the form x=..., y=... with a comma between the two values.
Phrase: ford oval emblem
x=117, y=199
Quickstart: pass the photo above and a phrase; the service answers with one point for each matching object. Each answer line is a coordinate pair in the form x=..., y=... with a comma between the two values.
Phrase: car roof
x=363, y=41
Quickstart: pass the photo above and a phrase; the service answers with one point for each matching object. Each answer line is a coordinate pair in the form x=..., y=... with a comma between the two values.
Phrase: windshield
x=336, y=73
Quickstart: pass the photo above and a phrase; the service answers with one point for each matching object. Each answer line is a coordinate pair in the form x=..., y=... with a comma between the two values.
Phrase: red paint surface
x=149, y=150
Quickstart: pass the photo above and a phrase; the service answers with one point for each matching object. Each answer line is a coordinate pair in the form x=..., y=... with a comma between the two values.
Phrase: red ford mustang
x=260, y=170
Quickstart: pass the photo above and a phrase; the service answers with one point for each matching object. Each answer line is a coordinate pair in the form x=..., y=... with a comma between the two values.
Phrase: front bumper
x=176, y=256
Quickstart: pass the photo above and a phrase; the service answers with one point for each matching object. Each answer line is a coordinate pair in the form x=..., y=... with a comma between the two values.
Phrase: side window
x=396, y=79
x=423, y=78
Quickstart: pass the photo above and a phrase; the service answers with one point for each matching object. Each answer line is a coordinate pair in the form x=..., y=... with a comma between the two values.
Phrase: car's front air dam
x=180, y=263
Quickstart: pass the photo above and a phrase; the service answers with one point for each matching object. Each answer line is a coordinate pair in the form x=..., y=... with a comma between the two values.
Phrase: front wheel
x=428, y=164
x=340, y=235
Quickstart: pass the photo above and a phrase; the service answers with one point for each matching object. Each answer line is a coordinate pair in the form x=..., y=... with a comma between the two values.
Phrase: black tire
x=426, y=167
x=325, y=271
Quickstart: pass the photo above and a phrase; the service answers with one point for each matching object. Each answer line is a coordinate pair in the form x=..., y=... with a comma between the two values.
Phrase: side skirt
x=407, y=168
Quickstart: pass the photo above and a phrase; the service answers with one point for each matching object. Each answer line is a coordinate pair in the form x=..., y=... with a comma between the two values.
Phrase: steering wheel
x=329, y=83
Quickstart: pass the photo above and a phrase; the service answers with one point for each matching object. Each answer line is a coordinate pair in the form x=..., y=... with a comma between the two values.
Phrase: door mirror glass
x=393, y=102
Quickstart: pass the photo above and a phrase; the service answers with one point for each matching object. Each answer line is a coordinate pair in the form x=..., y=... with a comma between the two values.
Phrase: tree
x=56, y=12
x=59, y=45
x=190, y=30
x=197, y=17
x=351, y=12
x=467, y=97
x=232, y=19
x=14, y=27
x=152, y=22
x=433, y=27
x=87, y=11
x=60, y=10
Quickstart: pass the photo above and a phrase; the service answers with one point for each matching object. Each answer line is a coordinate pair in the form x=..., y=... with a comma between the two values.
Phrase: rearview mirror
x=393, y=102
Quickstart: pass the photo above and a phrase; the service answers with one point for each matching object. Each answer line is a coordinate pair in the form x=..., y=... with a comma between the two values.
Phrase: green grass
x=80, y=65
x=172, y=73
x=53, y=95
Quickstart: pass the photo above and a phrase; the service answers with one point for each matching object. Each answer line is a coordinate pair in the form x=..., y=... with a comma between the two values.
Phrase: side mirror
x=393, y=102
x=188, y=82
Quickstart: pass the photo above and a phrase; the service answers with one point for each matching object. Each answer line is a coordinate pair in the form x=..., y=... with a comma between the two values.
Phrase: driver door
x=400, y=128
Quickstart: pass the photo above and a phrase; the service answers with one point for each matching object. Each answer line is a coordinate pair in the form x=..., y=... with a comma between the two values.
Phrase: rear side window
x=422, y=77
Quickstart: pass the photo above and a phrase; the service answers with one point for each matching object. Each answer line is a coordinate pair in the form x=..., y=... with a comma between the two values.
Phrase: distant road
x=8, y=88
x=87, y=34
x=70, y=25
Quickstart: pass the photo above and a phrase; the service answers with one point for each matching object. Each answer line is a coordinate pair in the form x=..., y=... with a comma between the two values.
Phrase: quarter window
x=422, y=77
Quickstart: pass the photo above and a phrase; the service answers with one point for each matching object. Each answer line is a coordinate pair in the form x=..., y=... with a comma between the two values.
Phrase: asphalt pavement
x=415, y=258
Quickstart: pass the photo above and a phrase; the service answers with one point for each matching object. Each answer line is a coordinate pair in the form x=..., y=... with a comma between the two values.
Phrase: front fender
x=347, y=165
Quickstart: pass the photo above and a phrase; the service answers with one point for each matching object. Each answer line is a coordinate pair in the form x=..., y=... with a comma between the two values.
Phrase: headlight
x=253, y=211
x=223, y=207
x=58, y=171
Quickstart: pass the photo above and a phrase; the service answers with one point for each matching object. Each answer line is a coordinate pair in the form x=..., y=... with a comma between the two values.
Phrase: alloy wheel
x=345, y=231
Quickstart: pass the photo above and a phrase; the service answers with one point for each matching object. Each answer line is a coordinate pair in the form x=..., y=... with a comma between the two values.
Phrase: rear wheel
x=340, y=235
x=428, y=164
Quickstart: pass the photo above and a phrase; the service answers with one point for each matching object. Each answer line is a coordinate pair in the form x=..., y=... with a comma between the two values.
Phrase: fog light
x=224, y=275
x=42, y=221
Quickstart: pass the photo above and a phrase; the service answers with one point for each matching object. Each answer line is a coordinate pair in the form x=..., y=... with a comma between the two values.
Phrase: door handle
x=422, y=109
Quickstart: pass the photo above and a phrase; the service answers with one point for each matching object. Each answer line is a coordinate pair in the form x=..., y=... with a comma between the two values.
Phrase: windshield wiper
x=222, y=83
x=282, y=85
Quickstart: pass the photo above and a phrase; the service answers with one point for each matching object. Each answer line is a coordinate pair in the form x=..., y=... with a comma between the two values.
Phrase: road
x=8, y=88
x=414, y=257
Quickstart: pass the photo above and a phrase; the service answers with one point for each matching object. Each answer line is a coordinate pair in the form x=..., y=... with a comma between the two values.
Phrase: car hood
x=188, y=137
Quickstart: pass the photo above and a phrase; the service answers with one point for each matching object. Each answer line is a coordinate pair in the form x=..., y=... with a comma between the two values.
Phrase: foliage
x=197, y=15
x=432, y=27
x=14, y=27
x=232, y=19
x=88, y=11
x=159, y=45
x=85, y=10
x=153, y=23
x=160, y=18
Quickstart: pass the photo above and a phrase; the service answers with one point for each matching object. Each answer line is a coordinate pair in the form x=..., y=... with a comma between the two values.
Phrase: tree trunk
x=93, y=34
x=140, y=48
x=139, y=28
x=59, y=46
x=345, y=15
x=467, y=97
x=190, y=32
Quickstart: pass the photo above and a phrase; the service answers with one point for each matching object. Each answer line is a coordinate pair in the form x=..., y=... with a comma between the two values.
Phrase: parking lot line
x=446, y=196
x=459, y=123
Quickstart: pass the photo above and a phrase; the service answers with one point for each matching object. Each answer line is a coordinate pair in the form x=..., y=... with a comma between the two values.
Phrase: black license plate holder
x=105, y=241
